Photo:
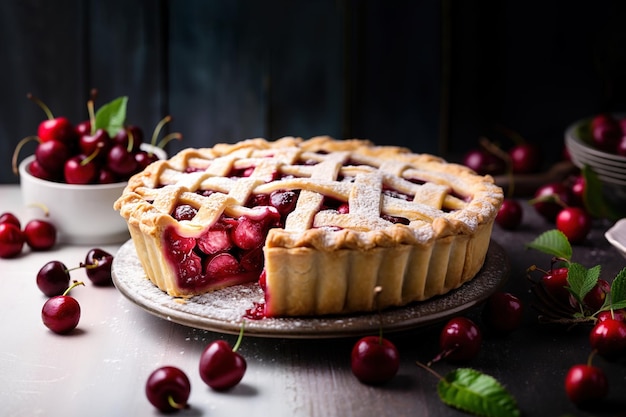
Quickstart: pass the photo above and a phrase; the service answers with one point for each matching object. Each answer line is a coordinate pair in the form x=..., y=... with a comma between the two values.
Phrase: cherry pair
x=220, y=367
x=522, y=158
x=38, y=234
x=54, y=277
x=562, y=204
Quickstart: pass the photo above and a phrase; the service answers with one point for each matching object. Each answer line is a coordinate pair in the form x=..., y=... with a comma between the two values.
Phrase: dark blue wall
x=429, y=75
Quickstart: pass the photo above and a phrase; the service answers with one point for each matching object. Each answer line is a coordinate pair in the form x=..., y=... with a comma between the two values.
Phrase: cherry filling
x=228, y=253
x=397, y=194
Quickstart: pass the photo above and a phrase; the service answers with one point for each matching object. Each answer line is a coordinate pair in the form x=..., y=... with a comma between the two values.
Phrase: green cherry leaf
x=111, y=116
x=582, y=280
x=618, y=290
x=553, y=242
x=476, y=393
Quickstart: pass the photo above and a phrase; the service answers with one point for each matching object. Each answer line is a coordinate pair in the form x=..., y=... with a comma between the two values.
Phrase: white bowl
x=616, y=236
x=82, y=214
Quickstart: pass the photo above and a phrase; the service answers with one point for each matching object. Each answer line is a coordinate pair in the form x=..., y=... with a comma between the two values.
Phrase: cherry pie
x=319, y=223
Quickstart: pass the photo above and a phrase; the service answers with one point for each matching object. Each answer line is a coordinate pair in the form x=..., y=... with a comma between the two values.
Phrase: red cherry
x=484, y=162
x=585, y=384
x=52, y=155
x=608, y=338
x=601, y=119
x=97, y=266
x=125, y=135
x=555, y=283
x=53, y=278
x=503, y=312
x=80, y=169
x=619, y=315
x=36, y=170
x=284, y=201
x=550, y=199
x=99, y=141
x=59, y=128
x=525, y=158
x=10, y=218
x=605, y=133
x=144, y=159
x=11, y=240
x=168, y=389
x=106, y=177
x=83, y=128
x=460, y=340
x=575, y=223
x=40, y=234
x=221, y=368
x=577, y=191
x=594, y=300
x=509, y=216
x=374, y=360
x=120, y=161
x=61, y=313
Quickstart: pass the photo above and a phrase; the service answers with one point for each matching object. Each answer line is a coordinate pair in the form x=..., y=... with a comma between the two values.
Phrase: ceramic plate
x=222, y=310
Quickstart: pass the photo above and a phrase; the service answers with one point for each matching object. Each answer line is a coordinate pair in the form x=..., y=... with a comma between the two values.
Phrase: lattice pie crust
x=412, y=224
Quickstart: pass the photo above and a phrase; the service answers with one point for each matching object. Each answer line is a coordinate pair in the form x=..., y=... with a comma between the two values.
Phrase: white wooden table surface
x=101, y=368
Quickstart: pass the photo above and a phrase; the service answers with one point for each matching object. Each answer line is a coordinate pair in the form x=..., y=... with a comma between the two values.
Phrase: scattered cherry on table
x=61, y=313
x=53, y=278
x=222, y=367
x=168, y=389
x=585, y=384
x=460, y=340
x=374, y=360
x=97, y=264
x=11, y=240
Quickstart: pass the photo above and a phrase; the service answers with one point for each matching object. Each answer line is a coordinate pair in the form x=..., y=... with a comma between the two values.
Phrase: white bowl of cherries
x=599, y=143
x=78, y=171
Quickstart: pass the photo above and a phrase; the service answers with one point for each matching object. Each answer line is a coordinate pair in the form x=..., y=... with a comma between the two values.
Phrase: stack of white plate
x=610, y=168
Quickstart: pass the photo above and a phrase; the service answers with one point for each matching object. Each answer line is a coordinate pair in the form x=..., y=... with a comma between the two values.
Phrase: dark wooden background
x=429, y=75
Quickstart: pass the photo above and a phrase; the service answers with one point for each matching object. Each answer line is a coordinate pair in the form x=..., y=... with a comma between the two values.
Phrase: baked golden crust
x=324, y=261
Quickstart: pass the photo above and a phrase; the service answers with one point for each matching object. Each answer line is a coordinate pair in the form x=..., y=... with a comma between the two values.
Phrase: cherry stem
x=169, y=138
x=93, y=155
x=497, y=151
x=41, y=104
x=377, y=290
x=590, y=358
x=68, y=270
x=90, y=108
x=430, y=370
x=552, y=198
x=93, y=265
x=131, y=140
x=240, y=338
x=19, y=146
x=159, y=127
x=174, y=404
x=71, y=287
x=442, y=355
x=43, y=207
